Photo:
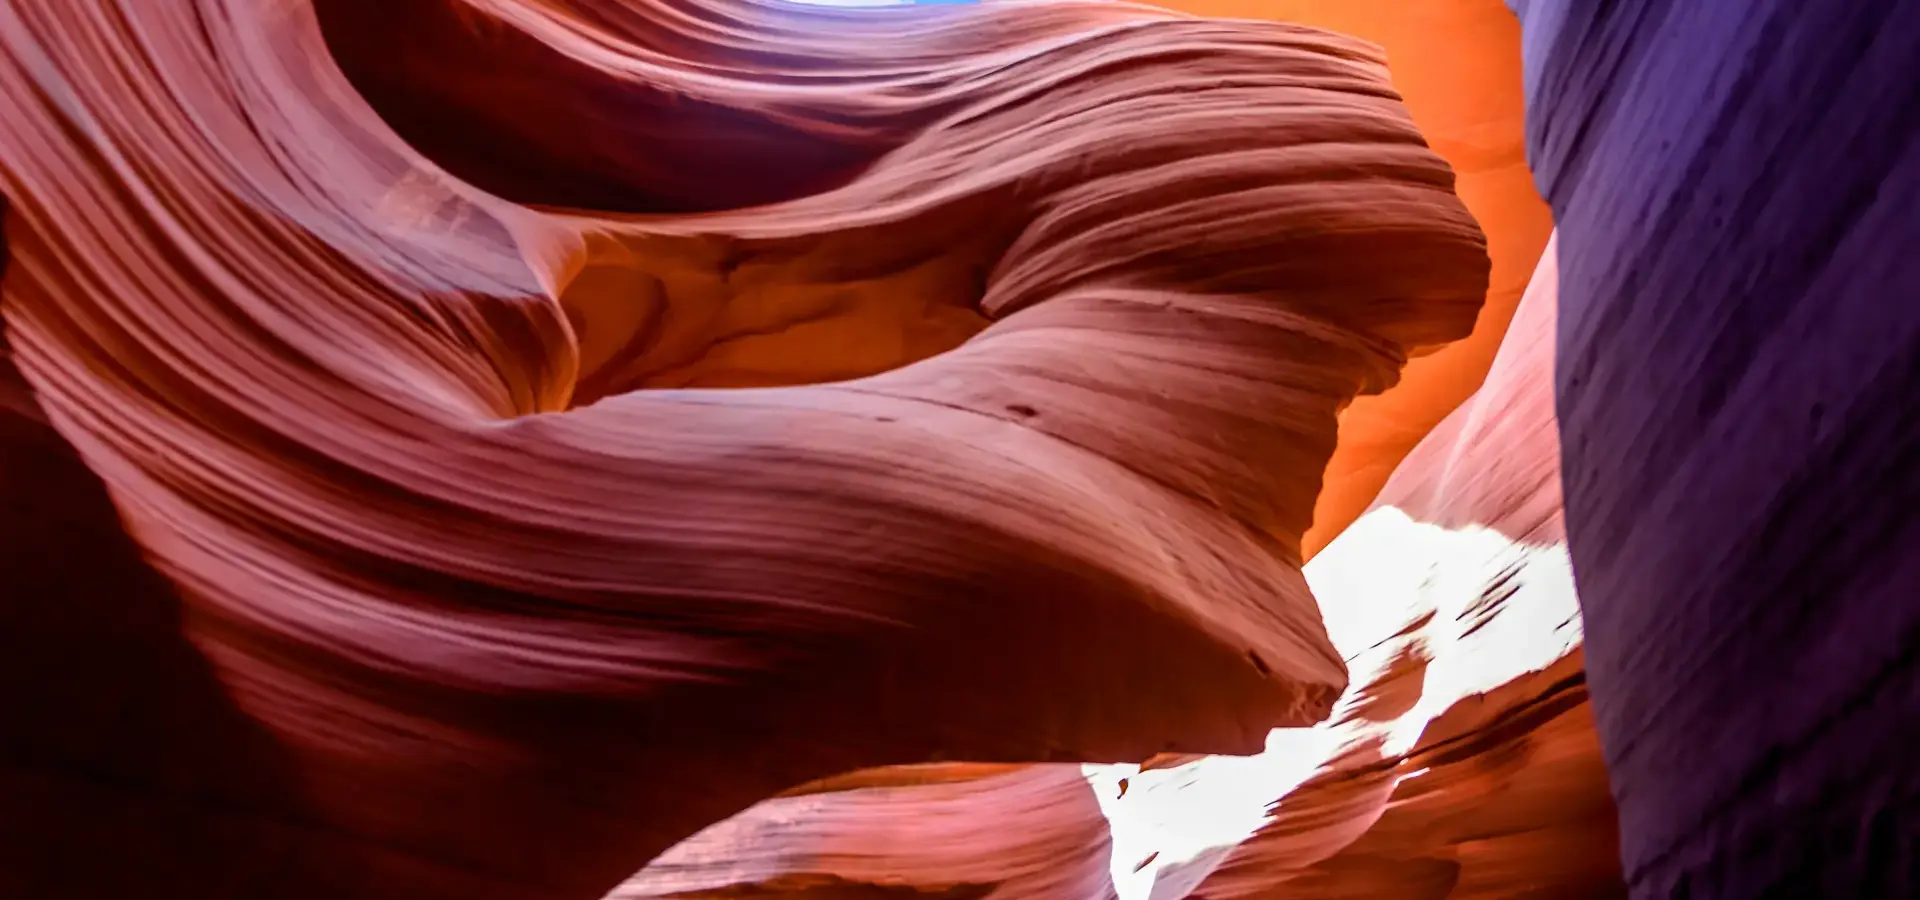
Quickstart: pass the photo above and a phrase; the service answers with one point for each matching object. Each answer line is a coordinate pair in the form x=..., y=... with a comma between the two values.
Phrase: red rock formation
x=1457, y=64
x=1467, y=764
x=1735, y=185
x=1463, y=763
x=1019, y=831
x=454, y=600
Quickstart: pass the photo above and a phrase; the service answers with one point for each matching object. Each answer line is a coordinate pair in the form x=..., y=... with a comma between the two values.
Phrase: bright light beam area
x=1393, y=591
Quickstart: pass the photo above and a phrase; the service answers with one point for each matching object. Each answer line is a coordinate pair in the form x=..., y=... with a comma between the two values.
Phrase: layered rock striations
x=1733, y=186
x=908, y=832
x=466, y=448
x=1735, y=191
x=1457, y=64
x=1462, y=763
x=379, y=526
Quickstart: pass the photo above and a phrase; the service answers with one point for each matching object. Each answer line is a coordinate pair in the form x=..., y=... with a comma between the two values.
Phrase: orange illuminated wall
x=1457, y=63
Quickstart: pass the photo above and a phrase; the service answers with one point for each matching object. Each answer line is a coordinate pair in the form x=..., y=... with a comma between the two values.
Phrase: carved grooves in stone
x=512, y=645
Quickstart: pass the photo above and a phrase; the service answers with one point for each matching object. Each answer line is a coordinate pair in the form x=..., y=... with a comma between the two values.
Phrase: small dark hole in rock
x=1022, y=410
x=1259, y=663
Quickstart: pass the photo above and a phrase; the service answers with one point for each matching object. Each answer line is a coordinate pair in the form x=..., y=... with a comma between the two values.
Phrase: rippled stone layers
x=912, y=832
x=1739, y=346
x=1462, y=763
x=489, y=592
x=1457, y=64
x=1735, y=187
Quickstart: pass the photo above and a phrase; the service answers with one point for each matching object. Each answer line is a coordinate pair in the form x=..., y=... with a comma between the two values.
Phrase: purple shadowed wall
x=1736, y=187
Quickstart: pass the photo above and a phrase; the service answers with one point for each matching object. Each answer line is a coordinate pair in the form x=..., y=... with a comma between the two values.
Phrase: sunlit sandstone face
x=395, y=334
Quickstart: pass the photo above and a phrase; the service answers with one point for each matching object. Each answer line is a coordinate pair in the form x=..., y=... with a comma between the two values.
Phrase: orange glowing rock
x=1457, y=64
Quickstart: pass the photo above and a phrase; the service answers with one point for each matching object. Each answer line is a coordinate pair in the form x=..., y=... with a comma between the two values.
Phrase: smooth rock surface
x=384, y=532
x=955, y=831
x=1462, y=763
x=1458, y=66
x=1735, y=188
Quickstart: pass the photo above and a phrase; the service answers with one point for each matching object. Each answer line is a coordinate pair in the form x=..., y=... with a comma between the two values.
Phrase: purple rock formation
x=1735, y=186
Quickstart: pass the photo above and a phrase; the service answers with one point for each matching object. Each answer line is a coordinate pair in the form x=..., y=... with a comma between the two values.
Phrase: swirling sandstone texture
x=376, y=526
x=1457, y=64
x=935, y=832
x=1739, y=349
x=1462, y=763
x=1458, y=67
x=1738, y=342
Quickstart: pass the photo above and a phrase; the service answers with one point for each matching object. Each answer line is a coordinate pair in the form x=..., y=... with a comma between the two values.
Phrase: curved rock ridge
x=1462, y=763
x=1457, y=64
x=486, y=589
x=1031, y=831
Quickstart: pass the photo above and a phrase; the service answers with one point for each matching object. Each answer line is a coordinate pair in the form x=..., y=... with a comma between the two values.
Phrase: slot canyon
x=998, y=450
